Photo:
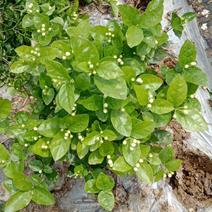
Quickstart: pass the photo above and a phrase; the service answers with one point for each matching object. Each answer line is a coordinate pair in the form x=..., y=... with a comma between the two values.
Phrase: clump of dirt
x=193, y=183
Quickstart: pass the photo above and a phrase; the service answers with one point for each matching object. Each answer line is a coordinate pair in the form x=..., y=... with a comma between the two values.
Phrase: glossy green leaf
x=151, y=82
x=191, y=119
x=187, y=54
x=195, y=76
x=57, y=71
x=120, y=165
x=82, y=150
x=162, y=106
x=145, y=173
x=141, y=94
x=104, y=182
x=106, y=200
x=166, y=154
x=5, y=108
x=77, y=123
x=59, y=146
x=116, y=88
x=18, y=201
x=22, y=182
x=152, y=15
x=134, y=36
x=90, y=186
x=142, y=129
x=66, y=98
x=177, y=86
x=173, y=165
x=42, y=196
x=95, y=158
x=4, y=154
x=38, y=150
x=131, y=155
x=106, y=148
x=49, y=127
x=122, y=122
x=177, y=24
x=93, y=103
x=109, y=70
x=130, y=15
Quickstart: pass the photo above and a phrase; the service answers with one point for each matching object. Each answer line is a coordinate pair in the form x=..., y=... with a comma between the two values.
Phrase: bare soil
x=193, y=183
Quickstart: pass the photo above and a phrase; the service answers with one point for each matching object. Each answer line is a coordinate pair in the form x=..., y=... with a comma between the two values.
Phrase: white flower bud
x=40, y=171
x=68, y=54
x=174, y=116
x=137, y=165
x=106, y=138
x=64, y=57
x=193, y=63
x=35, y=128
x=105, y=104
x=23, y=125
x=149, y=105
x=50, y=29
x=110, y=161
x=108, y=156
x=38, y=30
x=115, y=57
x=141, y=160
x=105, y=111
x=94, y=72
x=139, y=80
x=133, y=144
x=133, y=79
x=186, y=66
x=26, y=145
x=122, y=110
x=169, y=175
x=150, y=155
x=119, y=60
x=125, y=142
x=43, y=25
x=151, y=100
x=35, y=138
x=135, y=169
x=43, y=33
x=131, y=148
x=43, y=29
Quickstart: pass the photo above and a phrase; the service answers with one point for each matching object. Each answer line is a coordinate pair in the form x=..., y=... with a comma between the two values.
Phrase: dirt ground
x=193, y=182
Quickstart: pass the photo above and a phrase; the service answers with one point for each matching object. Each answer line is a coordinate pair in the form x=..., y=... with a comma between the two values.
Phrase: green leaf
x=145, y=173
x=120, y=165
x=48, y=96
x=4, y=154
x=151, y=82
x=106, y=200
x=93, y=103
x=166, y=154
x=162, y=106
x=95, y=158
x=5, y=108
x=177, y=24
x=13, y=169
x=22, y=182
x=91, y=138
x=77, y=123
x=145, y=149
x=122, y=122
x=152, y=15
x=106, y=148
x=191, y=119
x=130, y=15
x=57, y=71
x=163, y=137
x=18, y=201
x=82, y=150
x=195, y=76
x=66, y=97
x=142, y=129
x=116, y=88
x=132, y=156
x=141, y=94
x=154, y=160
x=38, y=150
x=27, y=21
x=109, y=70
x=173, y=165
x=90, y=187
x=134, y=36
x=49, y=127
x=187, y=54
x=20, y=66
x=189, y=16
x=59, y=146
x=104, y=182
x=177, y=86
x=42, y=196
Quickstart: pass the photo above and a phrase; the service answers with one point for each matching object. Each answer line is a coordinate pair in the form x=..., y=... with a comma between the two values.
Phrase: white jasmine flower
x=186, y=66
x=122, y=110
x=139, y=80
x=149, y=105
x=43, y=33
x=205, y=13
x=193, y=63
x=68, y=54
x=135, y=169
x=105, y=111
x=141, y=160
x=133, y=79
